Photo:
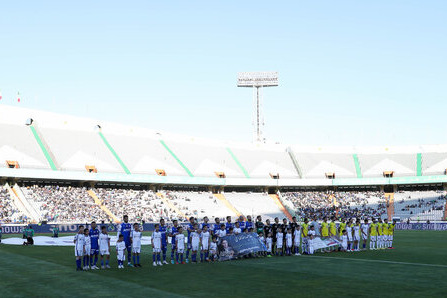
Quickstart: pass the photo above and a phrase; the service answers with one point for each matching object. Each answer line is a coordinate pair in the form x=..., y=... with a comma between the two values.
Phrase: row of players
x=90, y=243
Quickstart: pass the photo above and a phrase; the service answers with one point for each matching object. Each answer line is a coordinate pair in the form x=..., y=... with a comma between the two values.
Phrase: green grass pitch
x=416, y=268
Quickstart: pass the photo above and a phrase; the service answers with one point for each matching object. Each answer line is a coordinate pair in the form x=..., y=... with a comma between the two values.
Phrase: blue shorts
x=94, y=251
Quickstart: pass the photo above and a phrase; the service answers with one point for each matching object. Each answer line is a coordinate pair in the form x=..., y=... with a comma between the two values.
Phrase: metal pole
x=258, y=120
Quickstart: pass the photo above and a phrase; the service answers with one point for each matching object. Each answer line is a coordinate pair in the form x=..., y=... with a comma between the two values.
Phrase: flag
x=18, y=96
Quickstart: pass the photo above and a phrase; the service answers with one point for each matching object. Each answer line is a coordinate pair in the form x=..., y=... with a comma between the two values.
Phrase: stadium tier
x=38, y=144
x=86, y=168
x=69, y=204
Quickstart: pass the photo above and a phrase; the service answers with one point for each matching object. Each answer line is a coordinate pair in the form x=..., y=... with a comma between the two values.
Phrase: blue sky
x=351, y=72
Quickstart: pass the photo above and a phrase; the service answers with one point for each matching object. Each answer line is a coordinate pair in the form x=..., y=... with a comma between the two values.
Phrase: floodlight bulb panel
x=257, y=79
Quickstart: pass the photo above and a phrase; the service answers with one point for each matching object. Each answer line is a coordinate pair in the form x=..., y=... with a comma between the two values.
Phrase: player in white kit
x=104, y=247
x=156, y=246
x=135, y=239
x=205, y=240
x=365, y=231
x=87, y=249
x=297, y=240
x=213, y=249
x=222, y=232
x=237, y=229
x=195, y=242
x=120, y=251
x=344, y=241
x=348, y=229
x=269, y=244
x=311, y=235
x=179, y=245
x=279, y=241
x=289, y=242
x=356, y=232
x=79, y=242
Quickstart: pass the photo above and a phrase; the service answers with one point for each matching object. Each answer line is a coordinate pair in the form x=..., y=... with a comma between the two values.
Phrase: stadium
x=133, y=162
x=60, y=170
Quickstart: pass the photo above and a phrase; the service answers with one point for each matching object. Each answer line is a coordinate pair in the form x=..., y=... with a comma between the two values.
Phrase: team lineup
x=202, y=240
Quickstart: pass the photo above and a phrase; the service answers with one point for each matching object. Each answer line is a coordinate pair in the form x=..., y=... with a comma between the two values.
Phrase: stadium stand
x=420, y=205
x=8, y=211
x=139, y=205
x=262, y=161
x=38, y=147
x=434, y=160
x=17, y=143
x=205, y=160
x=344, y=204
x=144, y=154
x=375, y=161
x=255, y=204
x=65, y=204
x=74, y=150
x=198, y=204
x=316, y=165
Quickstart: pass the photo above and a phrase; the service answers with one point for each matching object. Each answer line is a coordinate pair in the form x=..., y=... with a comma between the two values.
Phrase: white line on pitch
x=381, y=261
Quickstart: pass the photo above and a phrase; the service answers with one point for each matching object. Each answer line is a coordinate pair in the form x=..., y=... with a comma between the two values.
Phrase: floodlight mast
x=257, y=81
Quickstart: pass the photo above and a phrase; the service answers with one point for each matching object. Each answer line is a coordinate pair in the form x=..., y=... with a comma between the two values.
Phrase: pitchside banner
x=422, y=226
x=70, y=228
x=319, y=243
x=233, y=246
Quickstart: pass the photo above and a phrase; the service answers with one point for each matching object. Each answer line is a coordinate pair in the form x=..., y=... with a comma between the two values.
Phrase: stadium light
x=257, y=80
x=29, y=121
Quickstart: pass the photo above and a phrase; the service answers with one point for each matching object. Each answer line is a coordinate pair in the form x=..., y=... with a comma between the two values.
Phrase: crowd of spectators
x=422, y=205
x=65, y=204
x=139, y=205
x=427, y=205
x=8, y=213
x=317, y=204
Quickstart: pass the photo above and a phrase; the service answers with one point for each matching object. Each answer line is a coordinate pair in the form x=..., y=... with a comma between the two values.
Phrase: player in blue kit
x=205, y=223
x=94, y=239
x=228, y=224
x=249, y=224
x=216, y=226
x=190, y=229
x=241, y=223
x=164, y=239
x=124, y=229
x=173, y=231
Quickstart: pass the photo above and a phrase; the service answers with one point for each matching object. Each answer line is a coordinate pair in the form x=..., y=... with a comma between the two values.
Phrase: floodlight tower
x=257, y=81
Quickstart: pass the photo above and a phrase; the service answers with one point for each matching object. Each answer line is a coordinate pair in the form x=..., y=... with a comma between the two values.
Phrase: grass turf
x=416, y=268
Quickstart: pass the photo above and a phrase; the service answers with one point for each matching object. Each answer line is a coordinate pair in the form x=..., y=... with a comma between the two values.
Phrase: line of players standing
x=284, y=238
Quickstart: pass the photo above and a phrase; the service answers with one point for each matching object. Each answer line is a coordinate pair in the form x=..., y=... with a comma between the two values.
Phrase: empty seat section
x=17, y=143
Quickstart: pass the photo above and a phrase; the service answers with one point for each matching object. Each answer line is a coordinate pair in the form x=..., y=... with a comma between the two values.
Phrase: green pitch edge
x=357, y=166
x=126, y=170
x=419, y=164
x=44, y=150
x=177, y=159
x=238, y=163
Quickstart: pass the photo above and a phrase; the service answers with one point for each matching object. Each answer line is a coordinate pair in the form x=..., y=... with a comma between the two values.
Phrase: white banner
x=318, y=243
